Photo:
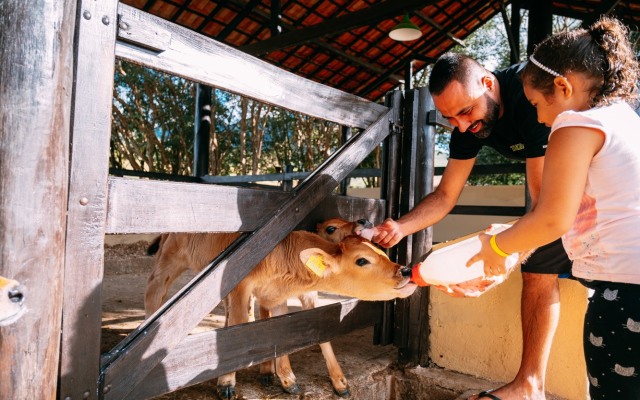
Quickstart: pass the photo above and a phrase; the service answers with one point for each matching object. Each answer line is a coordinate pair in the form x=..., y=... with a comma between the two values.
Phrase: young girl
x=580, y=83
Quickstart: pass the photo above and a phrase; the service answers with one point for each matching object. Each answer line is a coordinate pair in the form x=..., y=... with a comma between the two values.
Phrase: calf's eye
x=361, y=262
x=330, y=229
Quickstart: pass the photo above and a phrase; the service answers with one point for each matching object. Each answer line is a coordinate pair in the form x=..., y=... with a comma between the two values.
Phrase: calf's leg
x=282, y=364
x=338, y=380
x=267, y=368
x=238, y=305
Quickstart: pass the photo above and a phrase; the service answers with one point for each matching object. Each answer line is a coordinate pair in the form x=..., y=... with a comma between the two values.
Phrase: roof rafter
x=366, y=16
x=606, y=7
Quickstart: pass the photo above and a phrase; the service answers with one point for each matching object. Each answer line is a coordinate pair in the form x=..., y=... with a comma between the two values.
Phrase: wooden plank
x=137, y=355
x=140, y=206
x=202, y=59
x=207, y=355
x=36, y=74
x=155, y=39
x=349, y=208
x=147, y=206
x=93, y=91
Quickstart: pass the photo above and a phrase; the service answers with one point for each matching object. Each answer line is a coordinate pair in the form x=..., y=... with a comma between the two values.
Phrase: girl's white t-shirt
x=604, y=241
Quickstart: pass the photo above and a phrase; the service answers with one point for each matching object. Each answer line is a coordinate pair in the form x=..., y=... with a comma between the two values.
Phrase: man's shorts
x=549, y=259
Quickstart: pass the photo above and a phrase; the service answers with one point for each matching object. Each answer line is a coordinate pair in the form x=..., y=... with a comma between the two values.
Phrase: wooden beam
x=147, y=206
x=246, y=10
x=368, y=16
x=36, y=71
x=321, y=43
x=207, y=355
x=365, y=89
x=603, y=8
x=440, y=28
x=93, y=102
x=205, y=60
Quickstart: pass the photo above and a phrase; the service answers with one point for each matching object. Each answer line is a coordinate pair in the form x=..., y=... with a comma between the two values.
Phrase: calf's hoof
x=226, y=392
x=292, y=389
x=343, y=393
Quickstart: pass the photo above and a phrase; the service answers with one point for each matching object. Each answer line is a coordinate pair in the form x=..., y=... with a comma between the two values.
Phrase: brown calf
x=179, y=252
x=353, y=267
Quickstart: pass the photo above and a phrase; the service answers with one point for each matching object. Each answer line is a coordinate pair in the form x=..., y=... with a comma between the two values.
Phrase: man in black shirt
x=490, y=109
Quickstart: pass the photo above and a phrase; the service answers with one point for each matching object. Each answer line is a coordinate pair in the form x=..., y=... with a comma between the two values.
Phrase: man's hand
x=387, y=234
x=472, y=288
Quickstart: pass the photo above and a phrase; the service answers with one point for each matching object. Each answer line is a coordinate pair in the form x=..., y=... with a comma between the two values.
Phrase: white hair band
x=544, y=67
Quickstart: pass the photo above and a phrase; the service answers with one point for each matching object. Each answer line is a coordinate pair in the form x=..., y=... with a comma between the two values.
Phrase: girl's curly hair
x=602, y=52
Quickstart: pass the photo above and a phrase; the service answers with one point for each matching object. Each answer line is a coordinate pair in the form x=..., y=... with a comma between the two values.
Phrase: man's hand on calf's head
x=387, y=234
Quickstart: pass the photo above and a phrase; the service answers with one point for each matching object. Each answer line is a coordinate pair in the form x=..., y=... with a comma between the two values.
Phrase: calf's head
x=11, y=301
x=359, y=269
x=336, y=229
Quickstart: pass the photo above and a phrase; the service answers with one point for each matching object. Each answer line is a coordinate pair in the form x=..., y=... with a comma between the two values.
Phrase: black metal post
x=414, y=344
x=202, y=130
x=390, y=192
x=345, y=134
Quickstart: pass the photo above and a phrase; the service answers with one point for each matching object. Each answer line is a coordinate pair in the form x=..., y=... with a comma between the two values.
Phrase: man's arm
x=534, y=168
x=431, y=209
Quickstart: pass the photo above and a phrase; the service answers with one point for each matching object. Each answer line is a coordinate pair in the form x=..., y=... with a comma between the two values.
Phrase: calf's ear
x=317, y=261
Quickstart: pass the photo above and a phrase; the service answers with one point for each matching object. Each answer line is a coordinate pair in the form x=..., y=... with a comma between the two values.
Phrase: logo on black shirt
x=517, y=147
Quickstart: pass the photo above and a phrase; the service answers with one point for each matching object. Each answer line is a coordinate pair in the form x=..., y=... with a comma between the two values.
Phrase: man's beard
x=490, y=118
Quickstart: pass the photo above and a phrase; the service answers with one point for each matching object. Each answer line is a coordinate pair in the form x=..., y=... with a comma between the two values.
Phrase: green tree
x=153, y=121
x=153, y=129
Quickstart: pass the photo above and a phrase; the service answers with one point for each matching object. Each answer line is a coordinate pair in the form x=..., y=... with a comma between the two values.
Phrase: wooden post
x=540, y=26
x=36, y=71
x=87, y=209
x=540, y=23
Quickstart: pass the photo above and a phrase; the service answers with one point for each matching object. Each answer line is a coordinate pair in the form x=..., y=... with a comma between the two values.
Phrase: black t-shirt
x=517, y=134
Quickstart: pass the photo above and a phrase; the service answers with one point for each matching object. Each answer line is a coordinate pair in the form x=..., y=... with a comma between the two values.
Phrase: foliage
x=151, y=119
x=153, y=129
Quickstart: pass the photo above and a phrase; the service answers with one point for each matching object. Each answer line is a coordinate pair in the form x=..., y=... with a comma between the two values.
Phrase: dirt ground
x=126, y=270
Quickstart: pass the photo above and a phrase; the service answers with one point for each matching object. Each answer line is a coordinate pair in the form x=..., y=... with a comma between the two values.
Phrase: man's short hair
x=450, y=67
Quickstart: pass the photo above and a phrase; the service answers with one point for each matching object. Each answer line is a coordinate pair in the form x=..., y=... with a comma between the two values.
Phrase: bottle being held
x=366, y=233
x=445, y=265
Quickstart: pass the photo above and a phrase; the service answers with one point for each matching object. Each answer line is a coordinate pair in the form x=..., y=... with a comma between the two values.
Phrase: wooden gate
x=159, y=356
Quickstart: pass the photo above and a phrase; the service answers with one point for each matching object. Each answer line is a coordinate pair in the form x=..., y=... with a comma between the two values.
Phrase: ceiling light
x=405, y=31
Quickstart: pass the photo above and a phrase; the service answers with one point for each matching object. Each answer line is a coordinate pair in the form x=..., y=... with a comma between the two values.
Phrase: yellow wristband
x=495, y=247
